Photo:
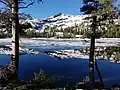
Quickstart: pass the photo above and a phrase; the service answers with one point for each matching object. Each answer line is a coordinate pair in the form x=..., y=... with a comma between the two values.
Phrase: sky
x=52, y=7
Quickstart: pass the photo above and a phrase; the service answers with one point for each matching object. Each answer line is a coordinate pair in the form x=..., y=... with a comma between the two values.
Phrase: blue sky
x=52, y=7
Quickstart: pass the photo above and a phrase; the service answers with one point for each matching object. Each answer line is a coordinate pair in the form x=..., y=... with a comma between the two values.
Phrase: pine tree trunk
x=92, y=49
x=99, y=74
x=15, y=38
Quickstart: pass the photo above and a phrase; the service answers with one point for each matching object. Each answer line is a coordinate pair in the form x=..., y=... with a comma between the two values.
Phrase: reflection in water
x=99, y=74
x=73, y=70
x=107, y=53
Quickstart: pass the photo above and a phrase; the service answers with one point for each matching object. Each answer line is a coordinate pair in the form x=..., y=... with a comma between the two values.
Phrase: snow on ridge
x=63, y=20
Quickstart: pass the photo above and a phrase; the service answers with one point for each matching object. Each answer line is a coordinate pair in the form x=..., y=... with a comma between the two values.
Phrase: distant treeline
x=109, y=31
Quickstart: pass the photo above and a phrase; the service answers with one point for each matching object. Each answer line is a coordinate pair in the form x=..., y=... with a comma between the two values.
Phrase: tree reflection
x=105, y=53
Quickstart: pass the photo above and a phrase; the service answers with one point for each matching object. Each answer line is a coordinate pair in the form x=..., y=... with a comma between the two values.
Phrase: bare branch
x=4, y=2
x=40, y=1
x=21, y=2
x=28, y=5
x=9, y=2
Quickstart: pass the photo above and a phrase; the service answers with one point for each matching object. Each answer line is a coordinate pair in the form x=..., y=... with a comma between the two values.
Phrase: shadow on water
x=69, y=71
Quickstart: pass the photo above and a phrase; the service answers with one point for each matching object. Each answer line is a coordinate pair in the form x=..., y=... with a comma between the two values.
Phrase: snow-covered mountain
x=58, y=21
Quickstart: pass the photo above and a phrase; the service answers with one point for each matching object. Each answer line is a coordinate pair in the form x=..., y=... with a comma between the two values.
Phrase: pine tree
x=98, y=10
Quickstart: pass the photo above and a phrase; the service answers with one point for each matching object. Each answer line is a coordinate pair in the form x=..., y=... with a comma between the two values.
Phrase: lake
x=70, y=70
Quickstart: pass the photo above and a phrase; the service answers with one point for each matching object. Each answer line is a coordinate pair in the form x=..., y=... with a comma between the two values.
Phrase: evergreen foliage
x=41, y=78
x=99, y=10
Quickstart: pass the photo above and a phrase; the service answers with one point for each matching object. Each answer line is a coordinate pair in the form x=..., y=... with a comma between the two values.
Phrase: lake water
x=70, y=70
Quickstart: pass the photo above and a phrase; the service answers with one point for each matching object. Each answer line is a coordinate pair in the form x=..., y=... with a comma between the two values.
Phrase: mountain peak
x=59, y=20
